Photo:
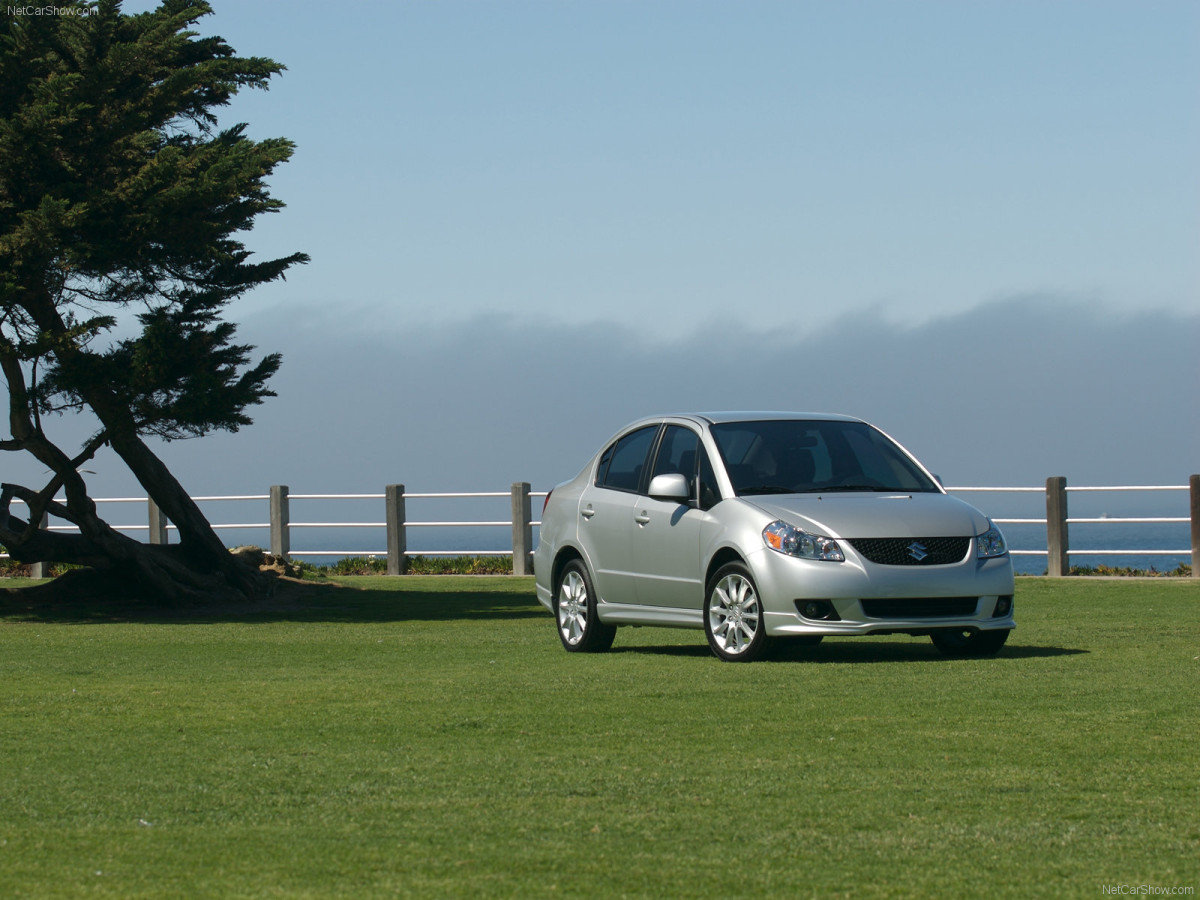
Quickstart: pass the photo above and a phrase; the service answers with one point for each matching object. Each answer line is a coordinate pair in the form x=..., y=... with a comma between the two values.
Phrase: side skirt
x=663, y=616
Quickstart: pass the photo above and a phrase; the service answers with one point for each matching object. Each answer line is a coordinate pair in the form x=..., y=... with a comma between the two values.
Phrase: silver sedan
x=763, y=526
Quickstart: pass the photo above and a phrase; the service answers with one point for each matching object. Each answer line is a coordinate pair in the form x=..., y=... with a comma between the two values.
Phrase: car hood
x=875, y=515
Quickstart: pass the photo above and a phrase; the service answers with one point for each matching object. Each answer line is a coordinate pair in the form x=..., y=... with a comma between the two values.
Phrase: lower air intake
x=920, y=608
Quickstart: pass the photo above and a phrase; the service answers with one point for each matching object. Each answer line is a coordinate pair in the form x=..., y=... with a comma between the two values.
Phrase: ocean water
x=1130, y=538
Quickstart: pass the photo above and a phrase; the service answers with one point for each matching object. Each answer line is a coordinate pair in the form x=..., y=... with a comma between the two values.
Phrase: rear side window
x=622, y=463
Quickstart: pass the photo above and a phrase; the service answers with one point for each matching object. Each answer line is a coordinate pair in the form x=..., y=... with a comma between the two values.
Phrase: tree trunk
x=200, y=550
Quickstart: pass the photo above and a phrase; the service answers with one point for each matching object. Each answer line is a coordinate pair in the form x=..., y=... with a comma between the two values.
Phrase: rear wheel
x=579, y=627
x=955, y=642
x=733, y=615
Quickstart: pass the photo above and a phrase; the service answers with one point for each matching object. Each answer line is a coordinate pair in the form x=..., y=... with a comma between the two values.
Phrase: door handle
x=642, y=518
x=587, y=512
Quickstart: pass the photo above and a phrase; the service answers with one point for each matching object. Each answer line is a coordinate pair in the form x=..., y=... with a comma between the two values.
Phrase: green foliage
x=355, y=565
x=11, y=568
x=428, y=737
x=460, y=565
x=181, y=376
x=116, y=188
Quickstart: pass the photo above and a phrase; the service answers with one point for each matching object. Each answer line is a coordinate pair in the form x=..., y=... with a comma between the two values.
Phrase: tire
x=733, y=615
x=963, y=643
x=579, y=627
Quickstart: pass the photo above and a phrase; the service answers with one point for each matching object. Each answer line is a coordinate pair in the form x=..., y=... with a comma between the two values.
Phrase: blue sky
x=669, y=161
x=974, y=223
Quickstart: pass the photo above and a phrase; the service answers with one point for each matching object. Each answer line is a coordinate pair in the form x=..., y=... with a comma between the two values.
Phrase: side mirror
x=672, y=486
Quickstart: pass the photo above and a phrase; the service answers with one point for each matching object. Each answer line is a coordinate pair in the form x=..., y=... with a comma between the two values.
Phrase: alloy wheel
x=734, y=614
x=572, y=608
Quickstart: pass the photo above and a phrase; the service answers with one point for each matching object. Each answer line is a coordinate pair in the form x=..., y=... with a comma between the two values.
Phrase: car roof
x=715, y=418
x=765, y=416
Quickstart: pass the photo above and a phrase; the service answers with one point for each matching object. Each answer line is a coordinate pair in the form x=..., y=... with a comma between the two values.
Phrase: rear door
x=606, y=510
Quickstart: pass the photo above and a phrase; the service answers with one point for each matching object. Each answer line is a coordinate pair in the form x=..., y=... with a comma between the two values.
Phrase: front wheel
x=953, y=642
x=579, y=627
x=733, y=615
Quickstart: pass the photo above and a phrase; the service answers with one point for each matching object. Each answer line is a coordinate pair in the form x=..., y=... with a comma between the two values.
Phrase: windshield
x=791, y=456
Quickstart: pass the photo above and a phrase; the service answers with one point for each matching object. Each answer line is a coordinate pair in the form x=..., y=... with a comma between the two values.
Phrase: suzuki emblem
x=917, y=550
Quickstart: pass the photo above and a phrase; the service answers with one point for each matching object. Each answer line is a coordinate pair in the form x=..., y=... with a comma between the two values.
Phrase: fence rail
x=396, y=525
x=1058, y=522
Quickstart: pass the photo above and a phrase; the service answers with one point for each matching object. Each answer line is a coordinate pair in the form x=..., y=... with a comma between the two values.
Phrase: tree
x=121, y=203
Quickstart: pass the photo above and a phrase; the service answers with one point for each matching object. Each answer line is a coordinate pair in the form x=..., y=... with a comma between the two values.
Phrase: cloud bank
x=1007, y=393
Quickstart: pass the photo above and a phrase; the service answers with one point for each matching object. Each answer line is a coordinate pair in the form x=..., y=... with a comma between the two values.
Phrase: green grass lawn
x=428, y=737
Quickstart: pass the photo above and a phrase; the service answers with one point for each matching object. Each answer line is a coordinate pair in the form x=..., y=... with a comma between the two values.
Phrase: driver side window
x=677, y=452
x=680, y=451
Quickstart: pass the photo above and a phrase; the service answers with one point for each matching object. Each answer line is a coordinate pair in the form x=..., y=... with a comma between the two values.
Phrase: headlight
x=990, y=543
x=791, y=540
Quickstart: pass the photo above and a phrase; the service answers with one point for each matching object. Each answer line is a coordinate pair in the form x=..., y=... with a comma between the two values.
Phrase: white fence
x=271, y=518
x=1058, y=522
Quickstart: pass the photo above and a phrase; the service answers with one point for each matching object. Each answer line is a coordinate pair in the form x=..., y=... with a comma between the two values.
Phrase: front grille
x=926, y=551
x=920, y=607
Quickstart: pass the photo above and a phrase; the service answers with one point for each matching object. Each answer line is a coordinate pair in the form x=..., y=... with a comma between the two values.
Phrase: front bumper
x=914, y=595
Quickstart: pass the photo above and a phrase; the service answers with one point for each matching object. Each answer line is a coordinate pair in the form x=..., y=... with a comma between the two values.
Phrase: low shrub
x=1183, y=570
x=417, y=565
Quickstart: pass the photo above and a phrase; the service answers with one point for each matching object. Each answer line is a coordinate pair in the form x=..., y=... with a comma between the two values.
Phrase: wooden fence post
x=522, y=530
x=1194, y=489
x=40, y=569
x=1058, y=544
x=280, y=532
x=397, y=540
x=158, y=522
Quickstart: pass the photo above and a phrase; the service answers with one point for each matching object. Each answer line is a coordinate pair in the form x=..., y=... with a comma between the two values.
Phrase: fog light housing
x=817, y=610
x=1004, y=605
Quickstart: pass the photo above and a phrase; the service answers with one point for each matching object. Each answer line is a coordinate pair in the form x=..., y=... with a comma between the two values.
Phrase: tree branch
x=90, y=449
x=39, y=502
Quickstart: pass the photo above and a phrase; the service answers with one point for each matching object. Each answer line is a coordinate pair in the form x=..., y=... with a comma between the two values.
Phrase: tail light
x=546, y=502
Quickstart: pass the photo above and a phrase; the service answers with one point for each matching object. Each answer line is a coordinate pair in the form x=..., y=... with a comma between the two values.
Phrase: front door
x=666, y=534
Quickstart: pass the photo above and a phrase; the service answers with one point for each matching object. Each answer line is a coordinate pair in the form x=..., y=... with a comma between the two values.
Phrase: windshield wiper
x=858, y=487
x=766, y=489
